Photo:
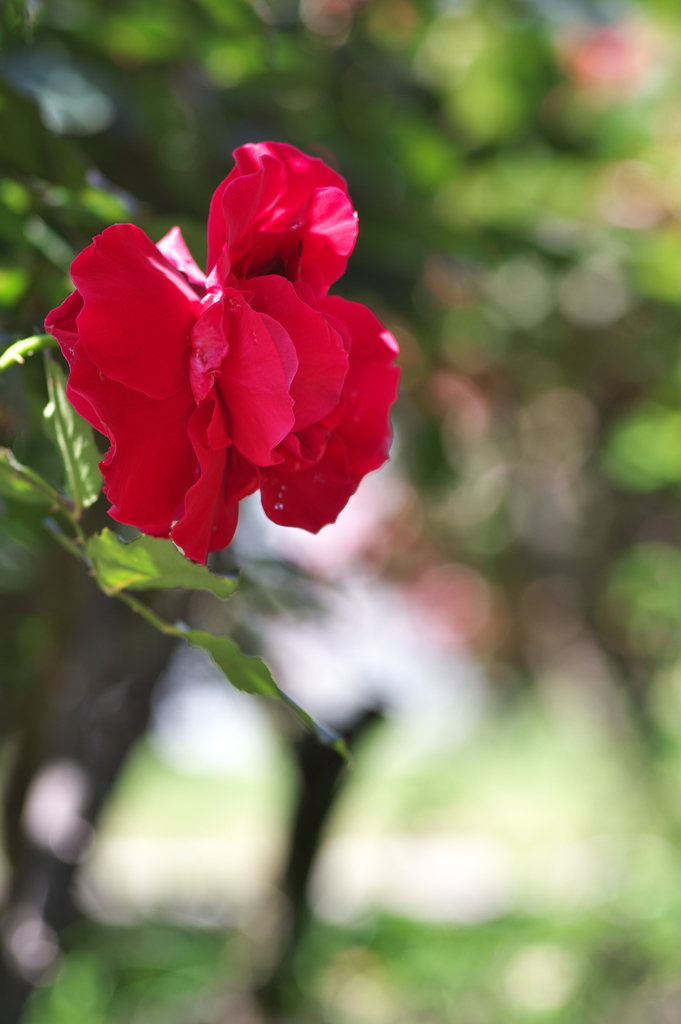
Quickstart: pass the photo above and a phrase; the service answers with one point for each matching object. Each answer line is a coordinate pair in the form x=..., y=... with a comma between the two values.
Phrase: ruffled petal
x=254, y=382
x=61, y=324
x=151, y=463
x=322, y=359
x=310, y=498
x=174, y=248
x=137, y=312
x=302, y=174
x=212, y=503
x=204, y=508
x=281, y=210
x=329, y=239
x=370, y=386
x=209, y=346
x=241, y=477
x=359, y=428
x=243, y=200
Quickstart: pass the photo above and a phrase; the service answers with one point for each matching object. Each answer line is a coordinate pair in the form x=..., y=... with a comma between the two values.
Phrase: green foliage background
x=516, y=165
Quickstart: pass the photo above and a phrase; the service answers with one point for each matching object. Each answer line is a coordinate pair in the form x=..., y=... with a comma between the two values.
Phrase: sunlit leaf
x=244, y=671
x=149, y=563
x=75, y=440
x=251, y=674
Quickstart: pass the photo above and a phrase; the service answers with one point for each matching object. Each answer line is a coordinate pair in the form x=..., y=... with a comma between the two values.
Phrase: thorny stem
x=25, y=347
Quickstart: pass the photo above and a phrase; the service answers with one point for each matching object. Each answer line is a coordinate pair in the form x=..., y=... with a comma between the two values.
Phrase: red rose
x=209, y=388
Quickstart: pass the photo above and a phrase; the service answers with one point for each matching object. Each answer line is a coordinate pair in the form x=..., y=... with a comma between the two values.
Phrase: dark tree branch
x=89, y=711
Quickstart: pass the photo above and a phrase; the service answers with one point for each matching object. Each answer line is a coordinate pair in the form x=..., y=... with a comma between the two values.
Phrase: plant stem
x=26, y=347
x=78, y=551
x=69, y=545
x=59, y=503
x=145, y=611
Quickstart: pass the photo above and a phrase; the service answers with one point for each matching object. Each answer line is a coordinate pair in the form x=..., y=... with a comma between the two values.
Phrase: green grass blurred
x=586, y=926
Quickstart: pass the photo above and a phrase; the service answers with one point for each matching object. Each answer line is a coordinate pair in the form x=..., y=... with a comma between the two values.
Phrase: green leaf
x=75, y=440
x=23, y=484
x=149, y=563
x=244, y=671
x=252, y=675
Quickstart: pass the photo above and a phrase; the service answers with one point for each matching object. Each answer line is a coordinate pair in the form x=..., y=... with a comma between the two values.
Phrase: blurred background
x=496, y=617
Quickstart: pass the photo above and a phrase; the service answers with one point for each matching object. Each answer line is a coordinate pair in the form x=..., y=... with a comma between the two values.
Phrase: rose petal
x=205, y=510
x=310, y=498
x=302, y=174
x=322, y=359
x=241, y=477
x=243, y=199
x=267, y=207
x=254, y=383
x=211, y=507
x=208, y=343
x=330, y=238
x=370, y=386
x=61, y=323
x=174, y=248
x=305, y=448
x=151, y=462
x=137, y=312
